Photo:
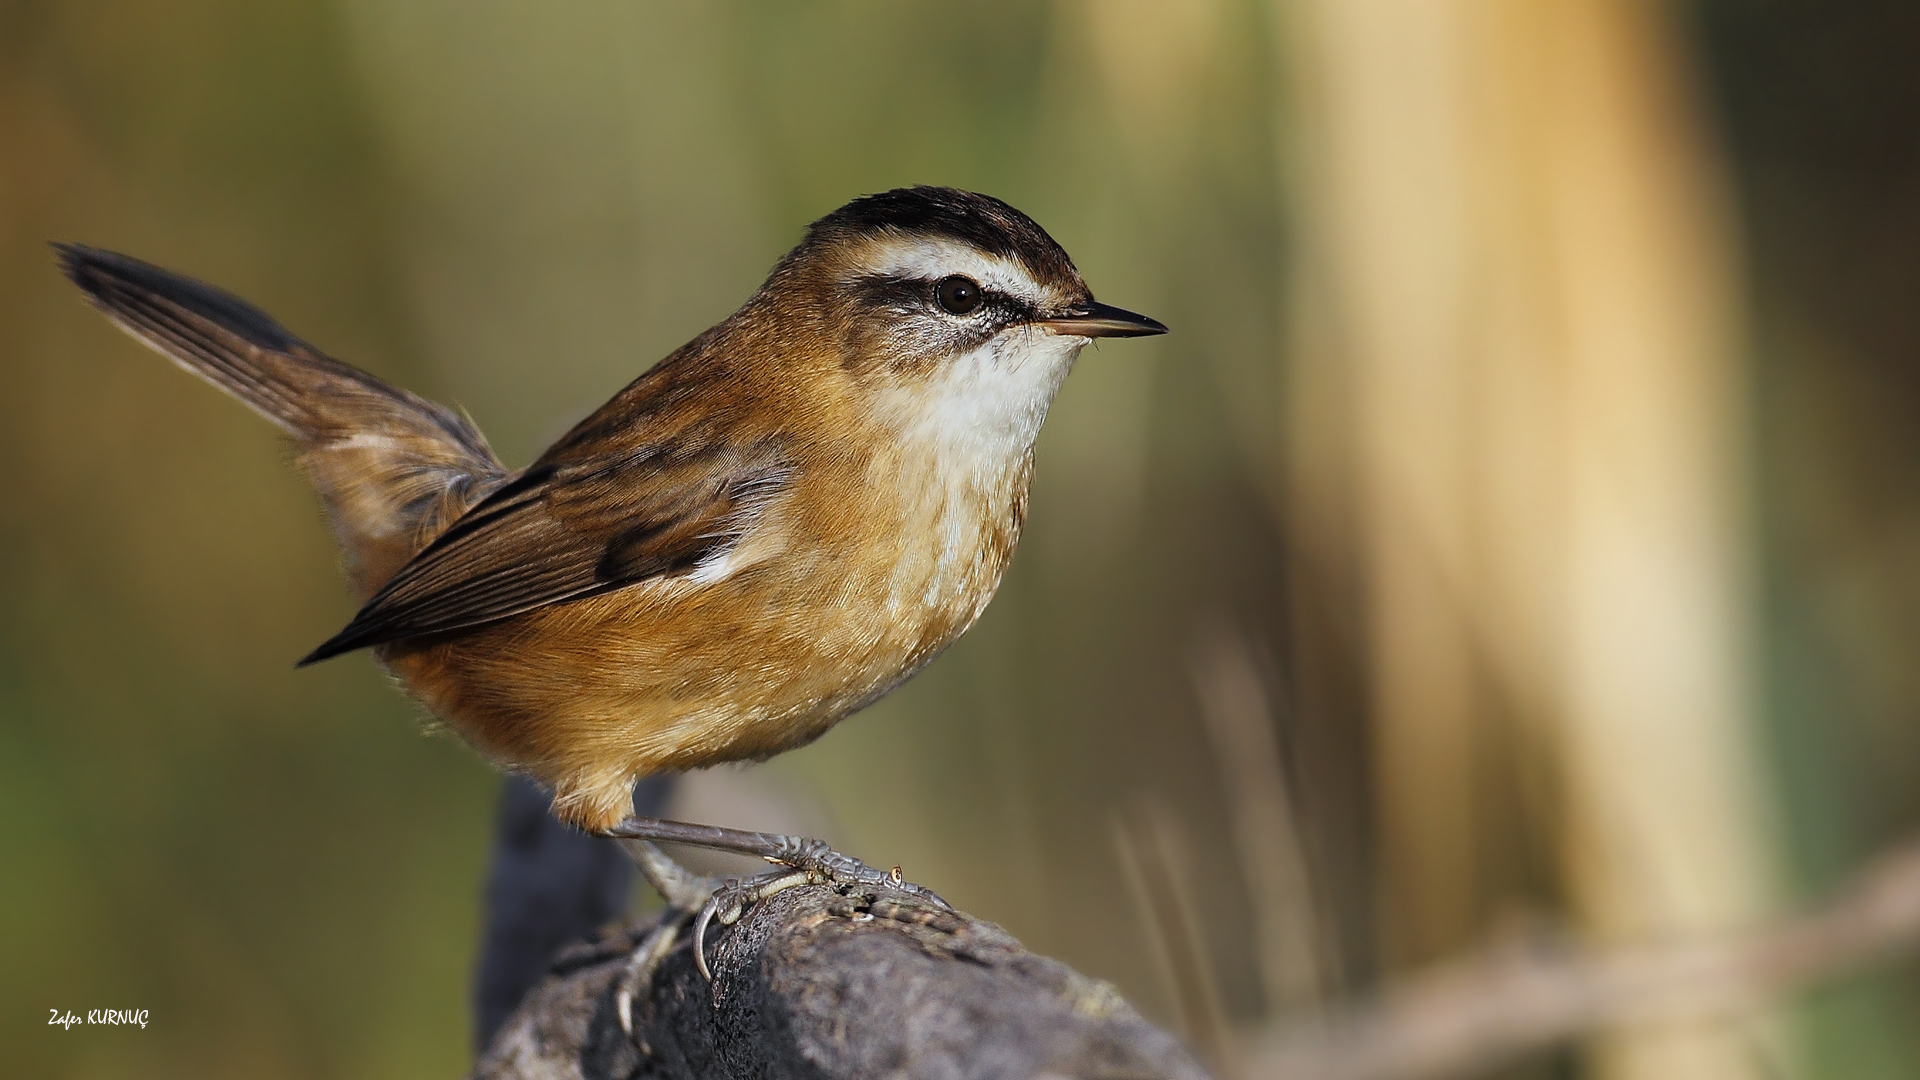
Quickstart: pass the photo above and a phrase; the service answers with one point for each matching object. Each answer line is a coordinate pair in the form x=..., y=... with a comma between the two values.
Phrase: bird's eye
x=958, y=295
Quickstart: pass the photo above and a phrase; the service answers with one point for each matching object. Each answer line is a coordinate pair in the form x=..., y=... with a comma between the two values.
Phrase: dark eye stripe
x=918, y=294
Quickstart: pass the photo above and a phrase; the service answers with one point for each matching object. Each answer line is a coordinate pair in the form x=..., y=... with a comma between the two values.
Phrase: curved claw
x=700, y=939
x=724, y=894
x=737, y=895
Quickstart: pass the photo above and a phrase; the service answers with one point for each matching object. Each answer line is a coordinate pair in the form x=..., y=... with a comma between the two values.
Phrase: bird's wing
x=564, y=530
x=393, y=468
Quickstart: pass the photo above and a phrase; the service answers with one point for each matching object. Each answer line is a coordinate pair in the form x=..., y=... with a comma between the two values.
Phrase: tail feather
x=393, y=468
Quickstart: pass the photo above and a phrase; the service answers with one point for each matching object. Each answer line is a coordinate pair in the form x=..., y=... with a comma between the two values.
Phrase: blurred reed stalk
x=1239, y=717
x=1473, y=1014
x=1154, y=860
x=1516, y=399
x=1482, y=1009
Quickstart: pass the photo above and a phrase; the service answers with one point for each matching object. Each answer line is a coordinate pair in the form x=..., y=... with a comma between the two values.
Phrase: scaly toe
x=641, y=965
x=730, y=901
x=845, y=872
x=806, y=862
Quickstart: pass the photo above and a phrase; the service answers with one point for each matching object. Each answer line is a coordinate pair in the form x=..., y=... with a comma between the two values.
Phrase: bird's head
x=953, y=312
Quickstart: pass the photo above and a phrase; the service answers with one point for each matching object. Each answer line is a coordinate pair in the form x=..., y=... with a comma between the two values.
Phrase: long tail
x=394, y=469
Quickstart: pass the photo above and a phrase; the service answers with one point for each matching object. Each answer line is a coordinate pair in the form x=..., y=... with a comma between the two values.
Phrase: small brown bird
x=771, y=528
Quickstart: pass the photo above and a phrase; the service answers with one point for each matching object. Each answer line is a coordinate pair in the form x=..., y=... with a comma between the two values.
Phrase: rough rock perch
x=819, y=985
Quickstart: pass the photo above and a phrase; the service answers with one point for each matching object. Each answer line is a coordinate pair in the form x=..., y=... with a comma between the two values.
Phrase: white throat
x=982, y=409
x=965, y=437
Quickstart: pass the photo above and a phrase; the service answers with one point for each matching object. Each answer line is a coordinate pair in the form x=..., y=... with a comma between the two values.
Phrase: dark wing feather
x=563, y=531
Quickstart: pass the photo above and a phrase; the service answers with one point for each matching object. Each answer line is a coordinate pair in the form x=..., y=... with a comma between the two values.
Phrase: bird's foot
x=641, y=965
x=801, y=861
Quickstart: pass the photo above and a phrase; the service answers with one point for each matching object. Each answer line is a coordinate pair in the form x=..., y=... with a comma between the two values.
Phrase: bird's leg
x=685, y=893
x=680, y=887
x=799, y=852
x=807, y=862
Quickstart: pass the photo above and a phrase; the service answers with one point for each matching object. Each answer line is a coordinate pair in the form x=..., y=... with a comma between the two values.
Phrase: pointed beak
x=1094, y=319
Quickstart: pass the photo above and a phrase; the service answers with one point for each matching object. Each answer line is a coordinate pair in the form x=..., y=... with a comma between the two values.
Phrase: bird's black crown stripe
x=980, y=220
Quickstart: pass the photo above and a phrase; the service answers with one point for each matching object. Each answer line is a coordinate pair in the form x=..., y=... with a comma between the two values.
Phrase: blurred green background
x=1388, y=302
